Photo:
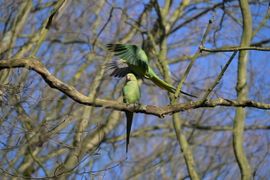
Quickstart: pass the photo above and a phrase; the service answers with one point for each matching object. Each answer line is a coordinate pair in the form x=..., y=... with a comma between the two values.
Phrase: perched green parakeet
x=131, y=95
x=134, y=60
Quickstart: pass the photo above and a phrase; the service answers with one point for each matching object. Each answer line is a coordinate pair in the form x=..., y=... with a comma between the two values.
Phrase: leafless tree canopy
x=61, y=114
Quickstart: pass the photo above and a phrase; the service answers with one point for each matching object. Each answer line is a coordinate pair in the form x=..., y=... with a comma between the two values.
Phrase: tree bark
x=242, y=93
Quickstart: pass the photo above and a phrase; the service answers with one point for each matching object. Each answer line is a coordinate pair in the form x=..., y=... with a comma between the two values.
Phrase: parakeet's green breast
x=131, y=92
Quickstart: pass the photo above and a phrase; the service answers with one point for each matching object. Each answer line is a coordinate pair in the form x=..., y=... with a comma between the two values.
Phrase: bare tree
x=61, y=114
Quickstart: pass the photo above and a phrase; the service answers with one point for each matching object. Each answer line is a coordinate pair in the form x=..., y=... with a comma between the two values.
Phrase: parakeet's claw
x=137, y=105
x=162, y=116
x=134, y=106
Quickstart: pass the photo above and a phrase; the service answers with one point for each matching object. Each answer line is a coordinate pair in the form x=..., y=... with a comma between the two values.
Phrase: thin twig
x=193, y=58
x=209, y=90
x=103, y=27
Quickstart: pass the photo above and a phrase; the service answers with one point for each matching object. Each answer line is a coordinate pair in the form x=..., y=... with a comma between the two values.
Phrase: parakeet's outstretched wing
x=118, y=69
x=130, y=53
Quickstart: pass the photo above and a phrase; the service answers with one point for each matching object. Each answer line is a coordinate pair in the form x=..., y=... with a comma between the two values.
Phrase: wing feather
x=118, y=69
x=128, y=53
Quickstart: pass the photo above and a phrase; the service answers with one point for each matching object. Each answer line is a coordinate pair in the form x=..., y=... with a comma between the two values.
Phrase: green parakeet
x=131, y=95
x=134, y=60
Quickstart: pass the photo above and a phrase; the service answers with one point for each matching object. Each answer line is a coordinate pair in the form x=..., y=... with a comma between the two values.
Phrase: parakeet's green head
x=131, y=77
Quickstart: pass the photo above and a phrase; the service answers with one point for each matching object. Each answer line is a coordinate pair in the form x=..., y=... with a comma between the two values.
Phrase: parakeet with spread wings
x=134, y=60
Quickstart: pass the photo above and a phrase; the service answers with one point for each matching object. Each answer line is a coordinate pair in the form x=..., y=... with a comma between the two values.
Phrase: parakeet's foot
x=137, y=105
x=134, y=106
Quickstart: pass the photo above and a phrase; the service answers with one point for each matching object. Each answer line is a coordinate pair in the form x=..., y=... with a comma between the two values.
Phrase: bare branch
x=193, y=58
x=210, y=89
x=70, y=91
x=231, y=49
x=242, y=94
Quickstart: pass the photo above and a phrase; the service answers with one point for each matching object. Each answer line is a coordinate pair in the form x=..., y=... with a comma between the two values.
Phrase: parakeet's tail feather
x=129, y=116
x=162, y=84
x=187, y=94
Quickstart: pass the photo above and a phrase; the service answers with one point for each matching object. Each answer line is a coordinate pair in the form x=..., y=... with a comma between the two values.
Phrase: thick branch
x=53, y=82
x=242, y=94
x=231, y=49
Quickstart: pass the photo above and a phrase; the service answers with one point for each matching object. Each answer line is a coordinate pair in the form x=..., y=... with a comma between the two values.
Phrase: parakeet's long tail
x=129, y=116
x=187, y=94
x=162, y=84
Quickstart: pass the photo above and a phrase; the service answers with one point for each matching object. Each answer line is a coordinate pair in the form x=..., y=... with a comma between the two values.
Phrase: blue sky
x=54, y=55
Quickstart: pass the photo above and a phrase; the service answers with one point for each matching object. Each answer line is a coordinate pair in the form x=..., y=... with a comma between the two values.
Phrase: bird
x=131, y=95
x=133, y=59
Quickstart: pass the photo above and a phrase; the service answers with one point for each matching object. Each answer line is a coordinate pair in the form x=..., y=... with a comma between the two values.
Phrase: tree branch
x=242, y=94
x=70, y=91
x=231, y=49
